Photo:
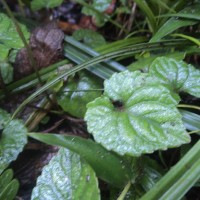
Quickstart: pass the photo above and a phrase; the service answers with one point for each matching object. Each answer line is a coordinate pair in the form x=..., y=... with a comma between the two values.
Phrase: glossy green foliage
x=107, y=165
x=89, y=37
x=8, y=36
x=136, y=115
x=37, y=4
x=12, y=141
x=6, y=72
x=66, y=177
x=74, y=96
x=175, y=23
x=177, y=75
x=8, y=187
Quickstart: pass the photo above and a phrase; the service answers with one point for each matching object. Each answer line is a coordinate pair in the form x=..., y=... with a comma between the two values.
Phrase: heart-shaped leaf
x=12, y=140
x=74, y=97
x=136, y=115
x=176, y=75
x=67, y=176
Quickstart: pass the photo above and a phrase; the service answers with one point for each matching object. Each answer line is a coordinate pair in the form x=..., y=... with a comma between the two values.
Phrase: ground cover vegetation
x=99, y=99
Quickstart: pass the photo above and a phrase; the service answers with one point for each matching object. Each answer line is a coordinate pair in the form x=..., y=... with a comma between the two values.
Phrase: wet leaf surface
x=13, y=139
x=67, y=176
x=135, y=115
x=176, y=75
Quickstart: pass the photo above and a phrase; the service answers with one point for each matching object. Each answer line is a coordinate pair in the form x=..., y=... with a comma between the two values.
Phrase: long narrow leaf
x=176, y=174
x=107, y=165
x=191, y=120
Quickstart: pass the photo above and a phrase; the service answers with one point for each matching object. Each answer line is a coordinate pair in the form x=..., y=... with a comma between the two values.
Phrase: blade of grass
x=192, y=39
x=31, y=80
x=180, y=188
x=106, y=48
x=175, y=174
x=91, y=53
x=149, y=14
x=99, y=70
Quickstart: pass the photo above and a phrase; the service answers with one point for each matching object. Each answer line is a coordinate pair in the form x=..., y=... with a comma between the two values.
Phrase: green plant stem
x=124, y=192
x=188, y=106
x=196, y=131
x=21, y=7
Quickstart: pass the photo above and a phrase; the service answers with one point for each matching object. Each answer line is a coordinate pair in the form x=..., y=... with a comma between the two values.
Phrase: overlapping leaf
x=8, y=187
x=67, y=176
x=136, y=115
x=177, y=75
x=77, y=93
x=12, y=140
x=8, y=36
x=175, y=23
x=107, y=165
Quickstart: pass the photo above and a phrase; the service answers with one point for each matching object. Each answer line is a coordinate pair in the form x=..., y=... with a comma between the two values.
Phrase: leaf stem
x=188, y=106
x=196, y=131
x=124, y=192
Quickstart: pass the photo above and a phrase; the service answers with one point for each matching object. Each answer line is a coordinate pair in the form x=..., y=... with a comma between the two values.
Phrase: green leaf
x=177, y=75
x=4, y=52
x=194, y=14
x=143, y=5
x=175, y=23
x=8, y=36
x=6, y=72
x=67, y=177
x=37, y=4
x=12, y=140
x=192, y=84
x=96, y=10
x=5, y=179
x=107, y=165
x=75, y=95
x=89, y=37
x=136, y=115
x=170, y=26
x=8, y=187
x=10, y=191
x=101, y=5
